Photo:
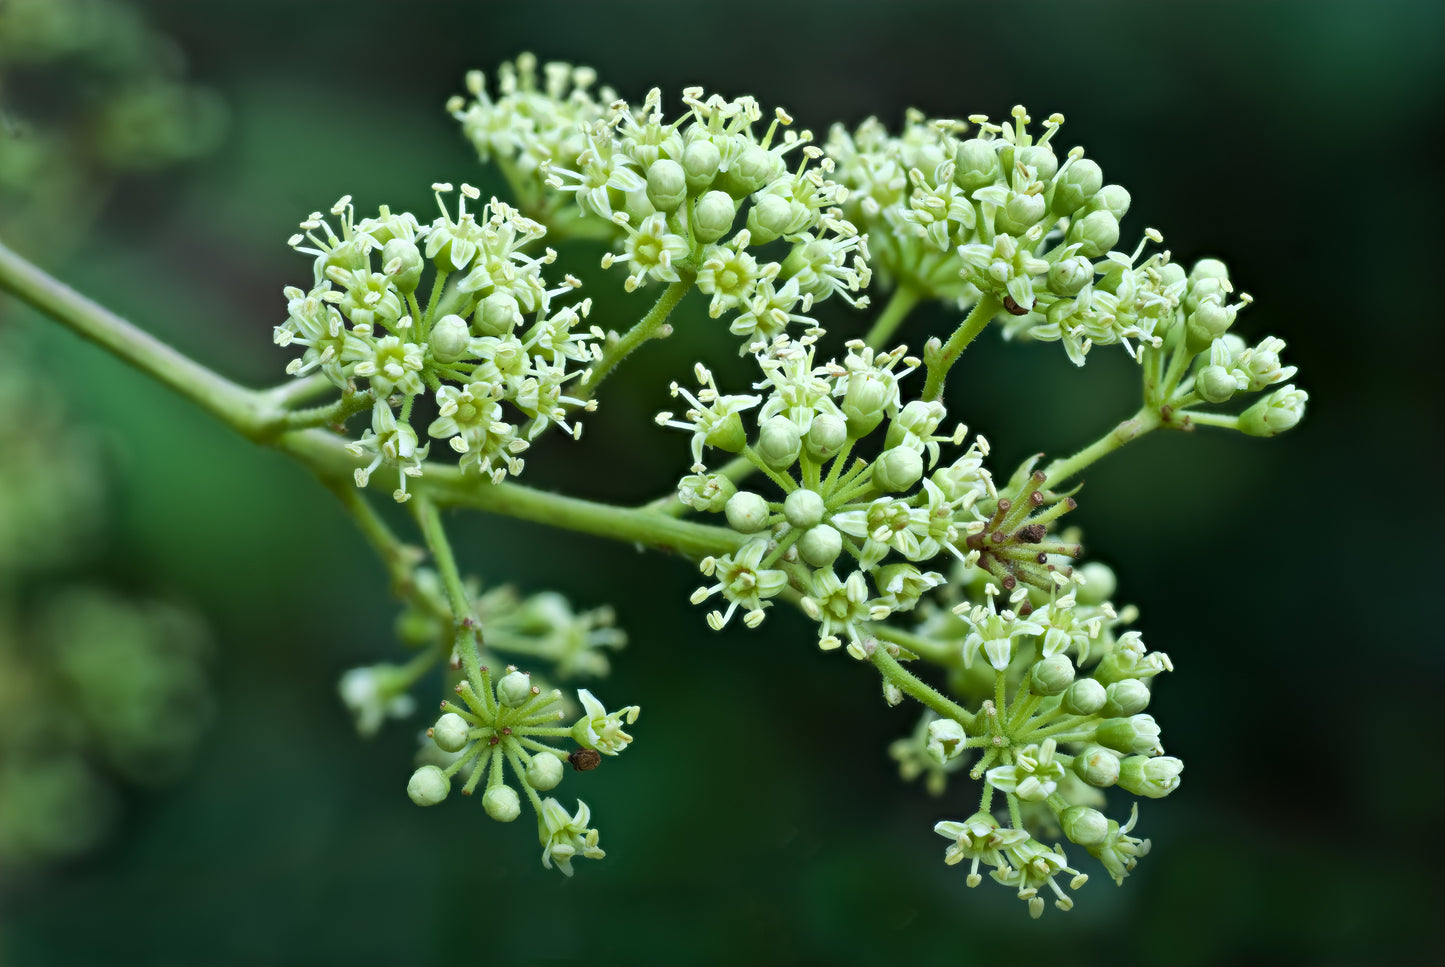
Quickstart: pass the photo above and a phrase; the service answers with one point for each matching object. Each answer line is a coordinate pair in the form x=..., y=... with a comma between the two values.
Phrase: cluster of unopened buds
x=832, y=479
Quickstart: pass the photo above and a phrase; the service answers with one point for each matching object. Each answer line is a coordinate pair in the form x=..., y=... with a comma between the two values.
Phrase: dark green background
x=1295, y=582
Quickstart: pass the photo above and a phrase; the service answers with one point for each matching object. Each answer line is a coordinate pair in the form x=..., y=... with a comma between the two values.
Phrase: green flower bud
x=700, y=161
x=1274, y=414
x=515, y=689
x=502, y=804
x=946, y=740
x=1126, y=697
x=897, y=470
x=1084, y=697
x=753, y=168
x=666, y=185
x=1209, y=269
x=773, y=216
x=428, y=786
x=1095, y=233
x=779, y=442
x=863, y=404
x=1113, y=199
x=713, y=216
x=498, y=314
x=1099, y=583
x=918, y=419
x=706, y=492
x=977, y=164
x=747, y=513
x=1152, y=776
x=402, y=261
x=544, y=772
x=1204, y=289
x=1209, y=320
x=1216, y=384
x=1079, y=182
x=1138, y=734
x=821, y=545
x=728, y=434
x=826, y=436
x=1097, y=766
x=1051, y=676
x=1067, y=277
x=1042, y=159
x=451, y=732
x=450, y=339
x=1083, y=825
x=1019, y=214
x=803, y=508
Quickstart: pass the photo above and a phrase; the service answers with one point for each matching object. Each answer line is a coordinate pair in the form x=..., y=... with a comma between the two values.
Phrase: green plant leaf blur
x=1269, y=134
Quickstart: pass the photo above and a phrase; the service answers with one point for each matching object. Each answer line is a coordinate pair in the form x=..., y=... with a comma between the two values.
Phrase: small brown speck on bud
x=584, y=760
x=1032, y=534
x=1013, y=307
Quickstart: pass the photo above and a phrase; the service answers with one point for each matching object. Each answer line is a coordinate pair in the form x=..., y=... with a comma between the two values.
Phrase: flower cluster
x=701, y=197
x=509, y=722
x=495, y=336
x=851, y=535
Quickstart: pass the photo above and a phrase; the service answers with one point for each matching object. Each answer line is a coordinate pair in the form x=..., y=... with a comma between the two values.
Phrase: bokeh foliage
x=1285, y=137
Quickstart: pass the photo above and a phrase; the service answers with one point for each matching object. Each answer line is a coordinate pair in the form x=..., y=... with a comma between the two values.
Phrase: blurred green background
x=759, y=818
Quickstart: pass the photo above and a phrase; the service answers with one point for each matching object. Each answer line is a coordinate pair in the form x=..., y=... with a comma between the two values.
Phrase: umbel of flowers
x=836, y=477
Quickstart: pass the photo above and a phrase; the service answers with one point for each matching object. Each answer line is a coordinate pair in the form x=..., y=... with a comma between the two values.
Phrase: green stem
x=644, y=330
x=902, y=301
x=934, y=652
x=1213, y=419
x=331, y=414
x=1140, y=423
x=237, y=407
x=971, y=326
x=913, y=686
x=469, y=631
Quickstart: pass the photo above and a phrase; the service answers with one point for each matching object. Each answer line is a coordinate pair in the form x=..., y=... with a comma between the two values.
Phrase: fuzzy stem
x=902, y=301
x=971, y=326
x=645, y=329
x=1140, y=423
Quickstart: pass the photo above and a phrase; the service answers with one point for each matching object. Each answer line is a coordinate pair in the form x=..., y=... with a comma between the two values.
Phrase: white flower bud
x=864, y=402
x=803, y=508
x=821, y=545
x=544, y=772
x=1152, y=776
x=1085, y=826
x=897, y=470
x=773, y=216
x=1274, y=414
x=1019, y=214
x=428, y=786
x=747, y=512
x=1137, y=734
x=451, y=732
x=515, y=689
x=1215, y=384
x=779, y=442
x=502, y=804
x=1209, y=269
x=946, y=740
x=666, y=185
x=1084, y=697
x=402, y=261
x=1127, y=697
x=1095, y=233
x=1098, y=585
x=826, y=436
x=498, y=314
x=1113, y=199
x=977, y=164
x=1097, y=766
x=450, y=338
x=1067, y=277
x=700, y=161
x=753, y=168
x=713, y=216
x=1051, y=676
x=1079, y=182
x=1042, y=159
